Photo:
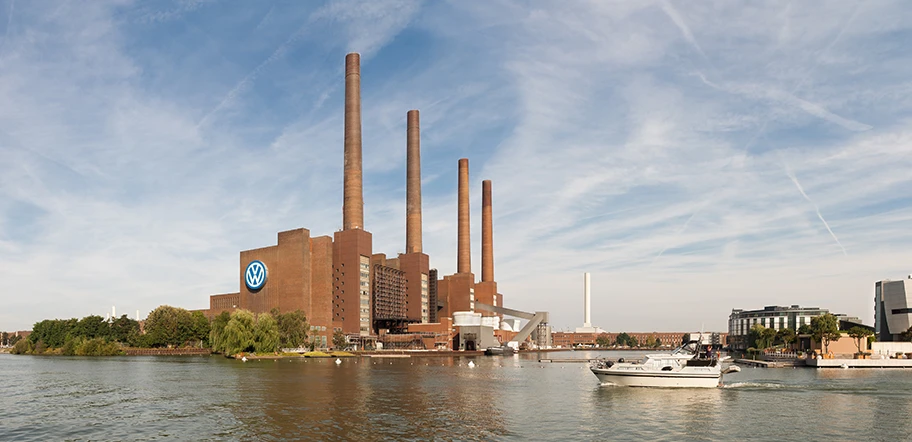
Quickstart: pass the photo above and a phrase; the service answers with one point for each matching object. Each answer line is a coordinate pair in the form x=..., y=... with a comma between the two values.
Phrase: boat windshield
x=691, y=348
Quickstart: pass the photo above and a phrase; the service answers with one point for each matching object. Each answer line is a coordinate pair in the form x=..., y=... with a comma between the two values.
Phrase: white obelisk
x=586, y=305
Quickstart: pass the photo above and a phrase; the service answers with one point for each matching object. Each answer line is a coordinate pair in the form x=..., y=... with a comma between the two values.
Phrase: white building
x=892, y=308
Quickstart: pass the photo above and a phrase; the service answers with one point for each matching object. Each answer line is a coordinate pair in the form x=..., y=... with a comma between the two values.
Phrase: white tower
x=587, y=322
x=587, y=310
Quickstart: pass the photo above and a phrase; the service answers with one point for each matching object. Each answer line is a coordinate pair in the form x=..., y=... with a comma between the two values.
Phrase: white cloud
x=613, y=147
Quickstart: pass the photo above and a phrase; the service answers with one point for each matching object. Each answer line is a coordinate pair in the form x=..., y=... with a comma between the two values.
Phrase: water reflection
x=514, y=398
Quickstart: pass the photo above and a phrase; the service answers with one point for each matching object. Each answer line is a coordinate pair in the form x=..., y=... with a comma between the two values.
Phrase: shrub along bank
x=243, y=331
x=92, y=335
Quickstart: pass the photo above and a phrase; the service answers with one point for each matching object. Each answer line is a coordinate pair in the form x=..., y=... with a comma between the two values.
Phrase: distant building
x=892, y=308
x=663, y=339
x=775, y=317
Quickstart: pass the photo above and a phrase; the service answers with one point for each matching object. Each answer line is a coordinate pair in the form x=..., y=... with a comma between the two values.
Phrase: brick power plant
x=342, y=285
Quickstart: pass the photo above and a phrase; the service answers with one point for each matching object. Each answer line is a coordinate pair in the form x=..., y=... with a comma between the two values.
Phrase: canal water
x=424, y=398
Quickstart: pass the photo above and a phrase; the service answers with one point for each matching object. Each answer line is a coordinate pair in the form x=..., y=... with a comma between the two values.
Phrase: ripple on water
x=218, y=399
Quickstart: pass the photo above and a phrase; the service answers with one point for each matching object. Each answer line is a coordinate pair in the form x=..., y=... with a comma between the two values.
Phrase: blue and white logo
x=255, y=275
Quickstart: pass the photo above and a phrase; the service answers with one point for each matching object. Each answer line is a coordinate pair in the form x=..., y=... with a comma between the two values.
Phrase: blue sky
x=693, y=156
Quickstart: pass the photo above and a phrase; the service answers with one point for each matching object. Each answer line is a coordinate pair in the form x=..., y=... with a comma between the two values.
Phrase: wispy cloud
x=816, y=209
x=140, y=157
x=682, y=25
x=9, y=24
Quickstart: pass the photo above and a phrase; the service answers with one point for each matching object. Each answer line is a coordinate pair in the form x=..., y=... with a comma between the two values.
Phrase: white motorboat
x=687, y=366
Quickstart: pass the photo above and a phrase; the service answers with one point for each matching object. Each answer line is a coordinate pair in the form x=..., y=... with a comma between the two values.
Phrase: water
x=513, y=398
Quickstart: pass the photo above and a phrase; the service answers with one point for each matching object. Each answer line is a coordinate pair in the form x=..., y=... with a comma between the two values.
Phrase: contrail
x=679, y=21
x=819, y=215
x=250, y=77
x=692, y=215
x=9, y=24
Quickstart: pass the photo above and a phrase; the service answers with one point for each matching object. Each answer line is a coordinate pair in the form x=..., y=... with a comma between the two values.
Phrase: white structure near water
x=587, y=308
x=892, y=308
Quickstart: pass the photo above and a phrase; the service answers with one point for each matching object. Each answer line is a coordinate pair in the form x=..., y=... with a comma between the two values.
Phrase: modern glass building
x=775, y=317
x=892, y=308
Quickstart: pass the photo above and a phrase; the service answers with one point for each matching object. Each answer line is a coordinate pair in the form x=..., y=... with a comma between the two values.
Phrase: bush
x=97, y=347
x=23, y=347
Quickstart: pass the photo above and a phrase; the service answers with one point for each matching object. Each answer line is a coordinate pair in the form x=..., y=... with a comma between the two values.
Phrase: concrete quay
x=859, y=363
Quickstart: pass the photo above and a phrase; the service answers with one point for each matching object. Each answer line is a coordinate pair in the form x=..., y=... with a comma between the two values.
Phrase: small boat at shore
x=687, y=366
x=499, y=351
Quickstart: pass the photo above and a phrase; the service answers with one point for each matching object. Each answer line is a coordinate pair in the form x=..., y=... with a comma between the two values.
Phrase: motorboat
x=505, y=350
x=689, y=365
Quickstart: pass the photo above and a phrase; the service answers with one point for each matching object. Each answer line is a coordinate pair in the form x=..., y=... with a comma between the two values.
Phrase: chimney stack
x=353, y=200
x=413, y=184
x=487, y=234
x=587, y=322
x=464, y=249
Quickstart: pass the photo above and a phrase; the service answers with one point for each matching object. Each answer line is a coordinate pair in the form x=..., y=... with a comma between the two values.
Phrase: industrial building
x=342, y=285
x=892, y=308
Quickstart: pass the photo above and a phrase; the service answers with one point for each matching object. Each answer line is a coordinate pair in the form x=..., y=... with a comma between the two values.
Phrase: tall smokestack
x=464, y=249
x=587, y=322
x=413, y=184
x=487, y=233
x=353, y=200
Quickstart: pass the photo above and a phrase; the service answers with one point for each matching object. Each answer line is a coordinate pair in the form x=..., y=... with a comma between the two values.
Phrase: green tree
x=602, y=340
x=858, y=333
x=805, y=330
x=217, y=332
x=658, y=342
x=685, y=338
x=650, y=341
x=14, y=339
x=293, y=328
x=755, y=336
x=632, y=340
x=767, y=337
x=266, y=334
x=52, y=332
x=339, y=341
x=825, y=329
x=201, y=328
x=906, y=336
x=169, y=326
x=22, y=347
x=92, y=326
x=123, y=328
x=238, y=335
x=786, y=336
x=4, y=339
x=622, y=339
x=71, y=344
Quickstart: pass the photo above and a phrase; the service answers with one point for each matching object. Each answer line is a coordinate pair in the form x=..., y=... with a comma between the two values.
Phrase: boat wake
x=753, y=385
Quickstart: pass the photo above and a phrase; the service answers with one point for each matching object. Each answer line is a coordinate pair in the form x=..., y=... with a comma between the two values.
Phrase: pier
x=859, y=363
x=771, y=364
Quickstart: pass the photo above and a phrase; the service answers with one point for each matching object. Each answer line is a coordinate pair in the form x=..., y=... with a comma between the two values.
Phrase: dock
x=562, y=361
x=859, y=363
x=771, y=364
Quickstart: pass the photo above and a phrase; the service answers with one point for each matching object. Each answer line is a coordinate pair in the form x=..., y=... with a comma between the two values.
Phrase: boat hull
x=658, y=379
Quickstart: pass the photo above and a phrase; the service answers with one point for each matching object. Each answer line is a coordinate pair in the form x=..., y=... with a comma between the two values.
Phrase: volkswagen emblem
x=255, y=275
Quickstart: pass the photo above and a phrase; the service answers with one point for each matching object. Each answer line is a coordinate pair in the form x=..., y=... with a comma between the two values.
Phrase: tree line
x=823, y=329
x=92, y=335
x=625, y=340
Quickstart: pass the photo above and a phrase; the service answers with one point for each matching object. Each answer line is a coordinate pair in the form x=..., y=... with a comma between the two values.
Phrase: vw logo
x=255, y=275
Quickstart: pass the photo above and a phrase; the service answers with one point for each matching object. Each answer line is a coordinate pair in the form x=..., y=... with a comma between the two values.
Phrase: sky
x=694, y=157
